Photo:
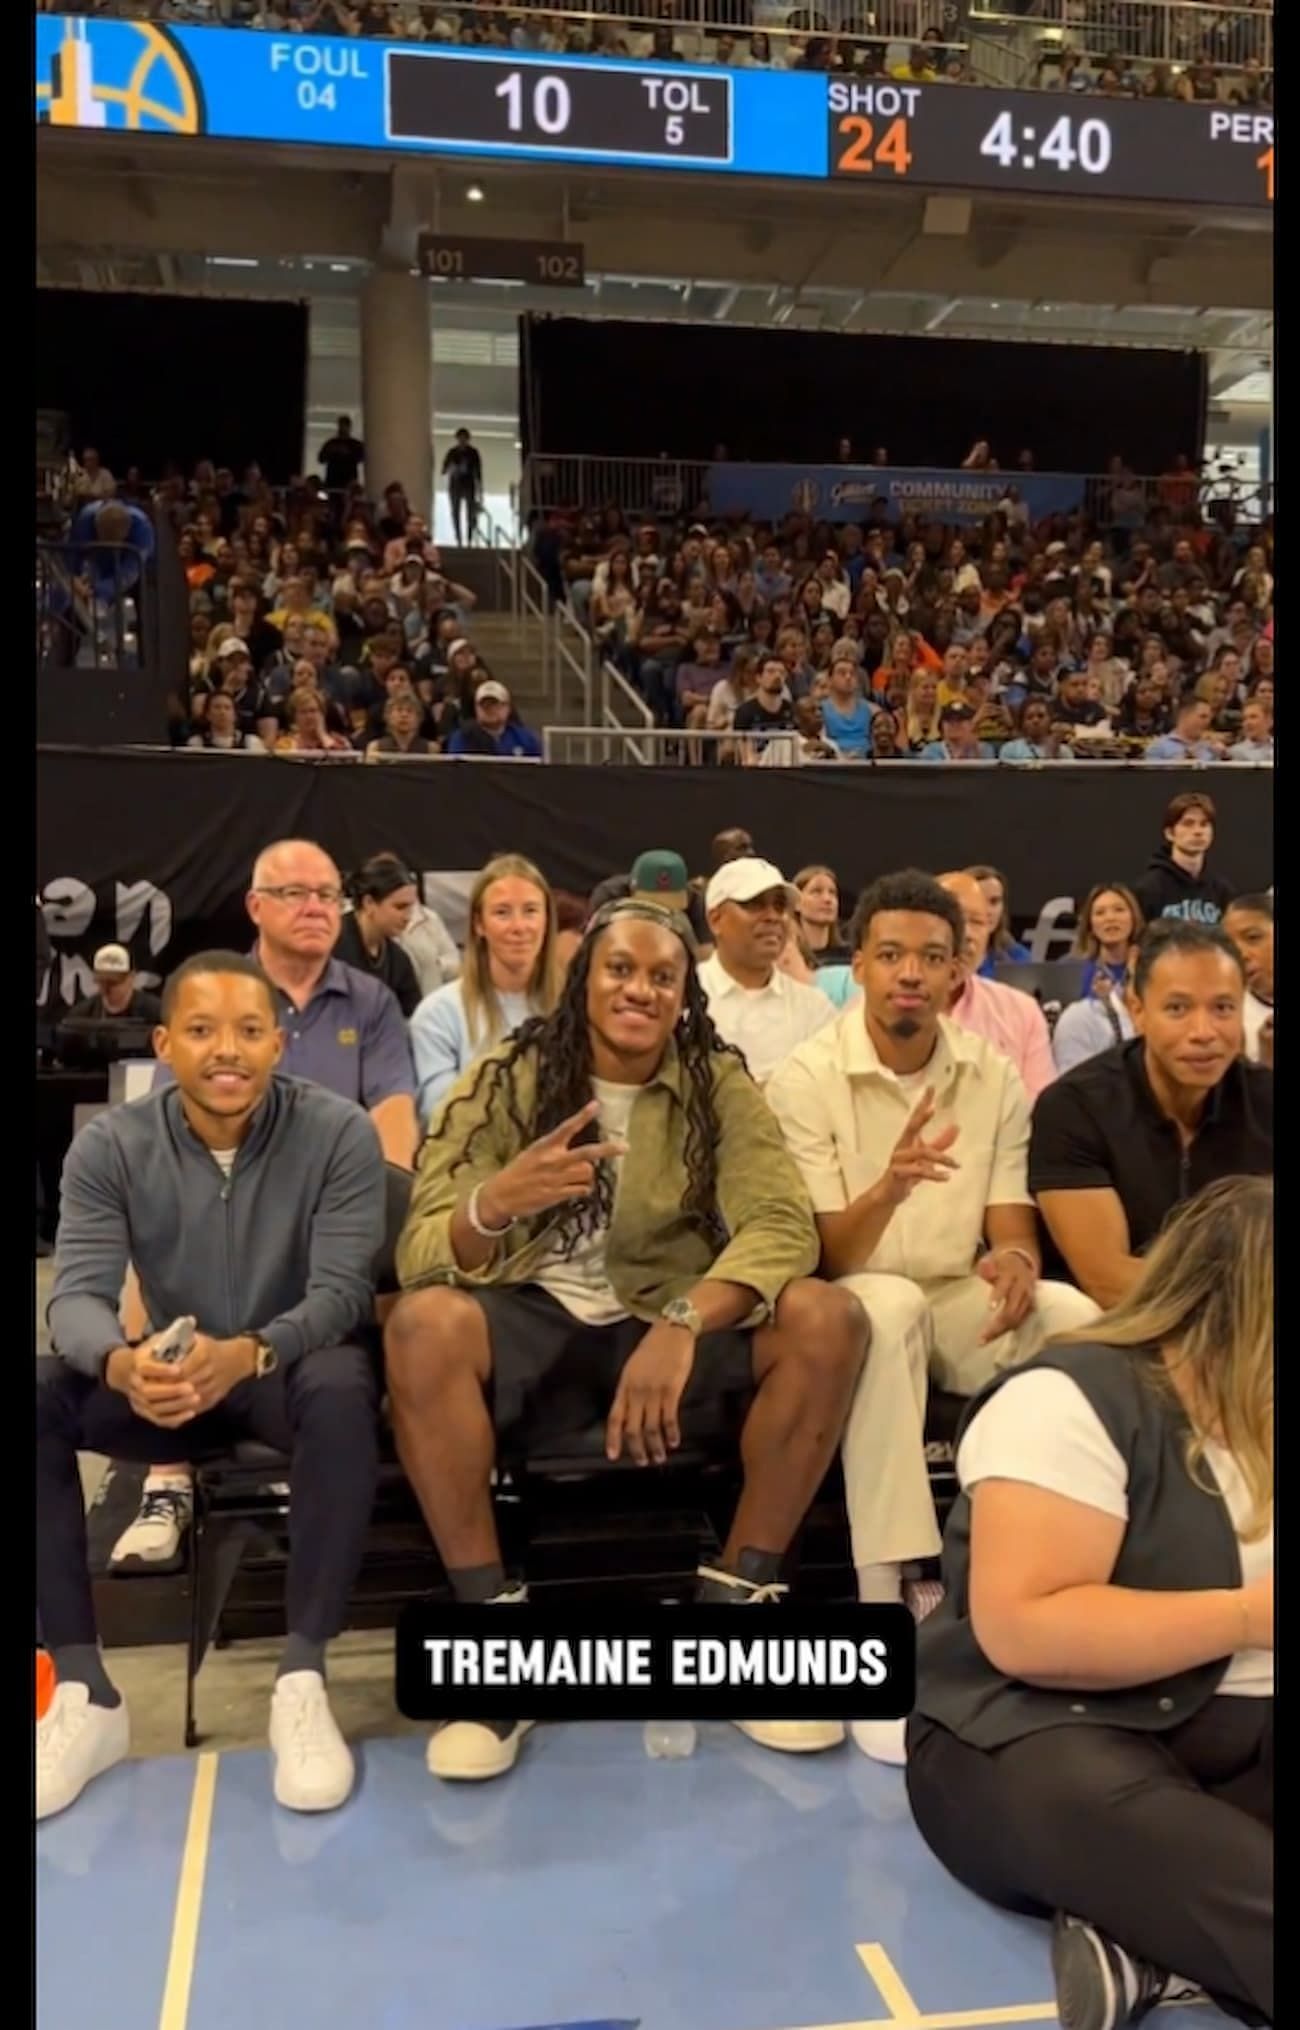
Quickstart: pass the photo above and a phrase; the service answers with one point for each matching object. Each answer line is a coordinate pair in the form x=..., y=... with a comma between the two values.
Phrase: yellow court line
x=189, y=1896
x=893, y=1990
x=905, y=2015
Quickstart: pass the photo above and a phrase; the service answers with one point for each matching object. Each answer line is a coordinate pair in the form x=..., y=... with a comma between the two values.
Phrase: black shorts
x=554, y=1378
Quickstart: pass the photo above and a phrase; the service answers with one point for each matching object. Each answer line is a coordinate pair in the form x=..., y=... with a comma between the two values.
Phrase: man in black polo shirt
x=1123, y=1138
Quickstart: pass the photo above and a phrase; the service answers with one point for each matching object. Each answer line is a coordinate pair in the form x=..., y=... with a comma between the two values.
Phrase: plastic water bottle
x=669, y=1740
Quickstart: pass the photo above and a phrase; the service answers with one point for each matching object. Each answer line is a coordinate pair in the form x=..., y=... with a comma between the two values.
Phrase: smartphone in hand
x=173, y=1344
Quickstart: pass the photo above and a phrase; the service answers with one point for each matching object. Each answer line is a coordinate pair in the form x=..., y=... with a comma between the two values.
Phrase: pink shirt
x=1014, y=1024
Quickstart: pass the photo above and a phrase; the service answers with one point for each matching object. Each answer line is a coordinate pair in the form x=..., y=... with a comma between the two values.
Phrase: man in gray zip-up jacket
x=254, y=1206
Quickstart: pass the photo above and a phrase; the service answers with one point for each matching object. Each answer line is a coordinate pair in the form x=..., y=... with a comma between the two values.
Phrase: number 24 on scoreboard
x=867, y=145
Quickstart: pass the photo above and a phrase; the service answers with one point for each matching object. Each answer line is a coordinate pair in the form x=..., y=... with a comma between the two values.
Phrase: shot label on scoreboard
x=871, y=128
x=572, y=109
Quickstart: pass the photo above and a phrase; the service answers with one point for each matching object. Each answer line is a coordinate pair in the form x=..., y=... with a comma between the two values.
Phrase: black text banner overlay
x=543, y=1662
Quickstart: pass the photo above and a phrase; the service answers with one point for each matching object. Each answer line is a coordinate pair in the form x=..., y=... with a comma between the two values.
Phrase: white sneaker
x=471, y=1751
x=882, y=1740
x=76, y=1742
x=794, y=1737
x=165, y=1513
x=313, y=1764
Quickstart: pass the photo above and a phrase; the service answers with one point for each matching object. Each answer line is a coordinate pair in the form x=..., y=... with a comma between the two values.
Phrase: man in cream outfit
x=913, y=1135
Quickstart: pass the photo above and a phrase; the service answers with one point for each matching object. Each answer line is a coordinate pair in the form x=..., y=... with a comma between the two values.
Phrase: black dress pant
x=322, y=1411
x=1163, y=1841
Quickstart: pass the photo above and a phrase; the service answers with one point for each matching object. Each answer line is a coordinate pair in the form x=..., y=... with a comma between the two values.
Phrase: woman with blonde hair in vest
x=1093, y=1733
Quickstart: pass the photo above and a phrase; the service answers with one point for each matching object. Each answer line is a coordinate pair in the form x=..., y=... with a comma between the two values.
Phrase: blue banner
x=852, y=493
x=241, y=84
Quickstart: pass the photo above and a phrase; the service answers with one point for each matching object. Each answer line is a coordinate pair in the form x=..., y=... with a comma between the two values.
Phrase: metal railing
x=657, y=747
x=813, y=36
x=677, y=489
x=1120, y=33
x=95, y=606
x=1130, y=35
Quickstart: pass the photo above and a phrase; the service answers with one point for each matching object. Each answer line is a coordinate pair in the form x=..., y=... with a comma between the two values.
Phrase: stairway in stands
x=513, y=646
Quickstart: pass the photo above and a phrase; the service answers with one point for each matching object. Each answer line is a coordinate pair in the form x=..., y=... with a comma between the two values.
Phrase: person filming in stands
x=1093, y=1734
x=1123, y=1138
x=383, y=895
x=912, y=1135
x=253, y=1204
x=629, y=1239
x=754, y=1005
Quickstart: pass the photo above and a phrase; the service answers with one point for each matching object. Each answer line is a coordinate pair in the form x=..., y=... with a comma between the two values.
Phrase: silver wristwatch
x=681, y=1311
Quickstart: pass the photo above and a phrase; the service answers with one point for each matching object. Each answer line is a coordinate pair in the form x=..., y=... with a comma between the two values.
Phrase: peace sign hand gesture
x=549, y=1172
x=914, y=1160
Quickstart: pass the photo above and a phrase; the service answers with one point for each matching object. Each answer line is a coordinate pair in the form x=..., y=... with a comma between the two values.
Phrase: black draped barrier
x=154, y=850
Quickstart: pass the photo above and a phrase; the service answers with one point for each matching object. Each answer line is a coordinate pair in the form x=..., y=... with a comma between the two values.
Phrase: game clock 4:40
x=1146, y=151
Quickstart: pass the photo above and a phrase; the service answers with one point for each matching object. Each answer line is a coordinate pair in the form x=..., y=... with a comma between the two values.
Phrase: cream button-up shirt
x=842, y=1111
x=765, y=1023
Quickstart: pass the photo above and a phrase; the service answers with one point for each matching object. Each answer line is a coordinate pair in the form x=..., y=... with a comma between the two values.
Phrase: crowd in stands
x=323, y=625
x=1146, y=631
x=320, y=624
x=1198, y=55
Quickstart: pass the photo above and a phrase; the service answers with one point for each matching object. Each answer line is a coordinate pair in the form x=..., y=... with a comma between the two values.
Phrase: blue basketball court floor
x=592, y=1889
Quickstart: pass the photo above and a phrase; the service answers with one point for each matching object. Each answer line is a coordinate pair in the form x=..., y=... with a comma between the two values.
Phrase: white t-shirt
x=1040, y=1428
x=580, y=1283
x=1255, y=1013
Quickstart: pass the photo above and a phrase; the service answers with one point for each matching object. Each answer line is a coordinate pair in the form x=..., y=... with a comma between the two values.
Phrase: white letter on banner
x=875, y=1661
x=437, y=1647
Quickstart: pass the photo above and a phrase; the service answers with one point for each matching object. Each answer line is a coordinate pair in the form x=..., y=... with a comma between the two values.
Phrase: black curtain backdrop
x=154, y=850
x=681, y=389
x=151, y=380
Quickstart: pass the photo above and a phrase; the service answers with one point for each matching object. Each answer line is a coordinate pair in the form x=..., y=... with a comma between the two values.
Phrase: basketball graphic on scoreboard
x=119, y=75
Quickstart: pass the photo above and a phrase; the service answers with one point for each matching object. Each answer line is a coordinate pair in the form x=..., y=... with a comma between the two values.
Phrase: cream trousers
x=919, y=1330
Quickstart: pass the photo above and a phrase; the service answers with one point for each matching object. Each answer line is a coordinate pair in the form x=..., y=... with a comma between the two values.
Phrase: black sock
x=300, y=1653
x=80, y=1663
x=473, y=1584
x=761, y=1568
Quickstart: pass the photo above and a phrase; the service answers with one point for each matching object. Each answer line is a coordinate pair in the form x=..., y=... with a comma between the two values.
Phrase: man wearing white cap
x=116, y=997
x=495, y=729
x=754, y=1005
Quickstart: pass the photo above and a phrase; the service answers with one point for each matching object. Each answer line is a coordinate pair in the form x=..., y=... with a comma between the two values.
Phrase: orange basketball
x=44, y=1682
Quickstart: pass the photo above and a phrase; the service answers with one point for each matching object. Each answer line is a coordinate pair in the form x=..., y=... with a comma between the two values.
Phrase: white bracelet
x=1024, y=1255
x=487, y=1233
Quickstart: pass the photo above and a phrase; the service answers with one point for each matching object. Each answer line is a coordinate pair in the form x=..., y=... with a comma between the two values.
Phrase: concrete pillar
x=397, y=386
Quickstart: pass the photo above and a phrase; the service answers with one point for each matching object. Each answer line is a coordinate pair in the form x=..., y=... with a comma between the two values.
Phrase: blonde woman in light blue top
x=511, y=971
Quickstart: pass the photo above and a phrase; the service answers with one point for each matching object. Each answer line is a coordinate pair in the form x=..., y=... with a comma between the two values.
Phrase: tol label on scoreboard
x=628, y=112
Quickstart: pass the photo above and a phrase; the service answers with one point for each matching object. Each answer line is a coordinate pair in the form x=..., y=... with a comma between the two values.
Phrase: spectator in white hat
x=496, y=728
x=753, y=1003
x=116, y=997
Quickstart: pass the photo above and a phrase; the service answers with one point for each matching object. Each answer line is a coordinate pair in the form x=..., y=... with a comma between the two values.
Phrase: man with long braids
x=606, y=1222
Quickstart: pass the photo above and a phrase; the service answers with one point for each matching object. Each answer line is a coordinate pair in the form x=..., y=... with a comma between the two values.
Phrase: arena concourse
x=621, y=1030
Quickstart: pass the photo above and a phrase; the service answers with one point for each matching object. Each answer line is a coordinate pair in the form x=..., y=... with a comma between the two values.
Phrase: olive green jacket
x=654, y=1252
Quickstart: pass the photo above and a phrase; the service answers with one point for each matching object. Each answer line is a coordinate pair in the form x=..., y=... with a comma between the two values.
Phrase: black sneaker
x=1099, y=1986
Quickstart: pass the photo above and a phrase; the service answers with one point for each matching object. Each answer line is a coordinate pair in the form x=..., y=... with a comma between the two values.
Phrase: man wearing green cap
x=661, y=877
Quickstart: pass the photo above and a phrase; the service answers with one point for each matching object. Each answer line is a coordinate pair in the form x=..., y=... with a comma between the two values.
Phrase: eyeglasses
x=295, y=895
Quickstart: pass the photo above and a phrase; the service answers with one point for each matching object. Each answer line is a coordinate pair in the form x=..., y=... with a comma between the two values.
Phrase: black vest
x=1179, y=1539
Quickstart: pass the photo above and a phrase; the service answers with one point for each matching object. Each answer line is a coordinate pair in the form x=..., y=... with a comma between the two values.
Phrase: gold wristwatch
x=265, y=1358
x=681, y=1311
